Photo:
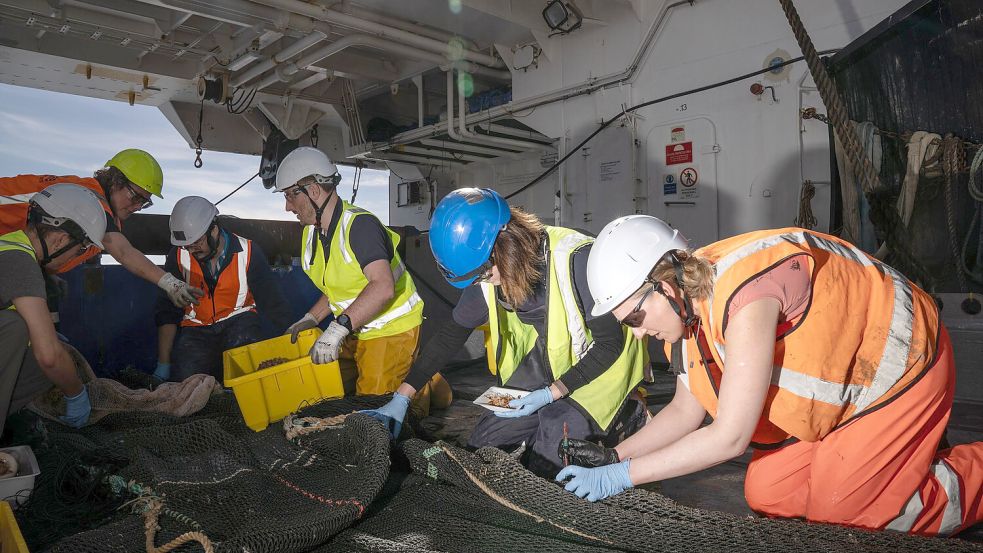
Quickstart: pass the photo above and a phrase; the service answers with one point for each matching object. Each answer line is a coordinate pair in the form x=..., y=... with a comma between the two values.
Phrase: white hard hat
x=70, y=202
x=305, y=162
x=624, y=254
x=191, y=218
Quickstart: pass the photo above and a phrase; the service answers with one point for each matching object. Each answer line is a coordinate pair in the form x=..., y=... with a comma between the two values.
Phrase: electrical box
x=410, y=193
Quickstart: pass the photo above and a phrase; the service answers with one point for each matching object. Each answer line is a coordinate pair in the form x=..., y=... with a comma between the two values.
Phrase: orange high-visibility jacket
x=16, y=192
x=867, y=334
x=231, y=295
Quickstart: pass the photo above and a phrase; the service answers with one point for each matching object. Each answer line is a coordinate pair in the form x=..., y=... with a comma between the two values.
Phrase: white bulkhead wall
x=754, y=179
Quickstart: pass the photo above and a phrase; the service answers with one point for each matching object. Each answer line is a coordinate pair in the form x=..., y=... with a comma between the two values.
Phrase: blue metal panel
x=108, y=315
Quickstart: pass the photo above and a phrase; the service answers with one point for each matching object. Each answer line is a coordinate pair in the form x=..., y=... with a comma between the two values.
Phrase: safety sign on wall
x=669, y=185
x=688, y=180
x=681, y=152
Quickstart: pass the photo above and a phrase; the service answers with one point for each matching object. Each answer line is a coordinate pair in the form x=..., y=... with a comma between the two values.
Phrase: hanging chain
x=314, y=135
x=198, y=139
x=358, y=178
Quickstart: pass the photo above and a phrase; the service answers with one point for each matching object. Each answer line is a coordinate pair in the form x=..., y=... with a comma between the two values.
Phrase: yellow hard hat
x=141, y=168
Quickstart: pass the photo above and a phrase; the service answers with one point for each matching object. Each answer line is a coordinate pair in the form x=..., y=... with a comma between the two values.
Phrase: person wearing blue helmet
x=528, y=282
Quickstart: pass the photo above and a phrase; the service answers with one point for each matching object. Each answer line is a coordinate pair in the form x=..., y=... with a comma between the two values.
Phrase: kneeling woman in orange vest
x=528, y=282
x=832, y=365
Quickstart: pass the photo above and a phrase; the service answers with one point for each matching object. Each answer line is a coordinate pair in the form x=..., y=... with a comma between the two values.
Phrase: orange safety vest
x=867, y=334
x=16, y=193
x=231, y=295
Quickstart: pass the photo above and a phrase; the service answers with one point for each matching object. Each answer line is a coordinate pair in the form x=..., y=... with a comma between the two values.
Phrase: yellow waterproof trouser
x=382, y=363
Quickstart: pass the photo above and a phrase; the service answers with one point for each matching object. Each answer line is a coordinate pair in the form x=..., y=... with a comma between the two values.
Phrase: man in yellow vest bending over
x=351, y=257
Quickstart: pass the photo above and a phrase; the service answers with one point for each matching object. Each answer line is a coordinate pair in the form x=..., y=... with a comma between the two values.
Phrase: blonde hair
x=698, y=274
x=518, y=255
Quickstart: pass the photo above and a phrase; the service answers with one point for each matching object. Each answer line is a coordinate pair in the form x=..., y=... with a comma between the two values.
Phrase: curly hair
x=111, y=178
x=698, y=274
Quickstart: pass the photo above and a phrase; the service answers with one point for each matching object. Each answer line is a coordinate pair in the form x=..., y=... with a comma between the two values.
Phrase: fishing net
x=111, y=396
x=461, y=501
x=139, y=480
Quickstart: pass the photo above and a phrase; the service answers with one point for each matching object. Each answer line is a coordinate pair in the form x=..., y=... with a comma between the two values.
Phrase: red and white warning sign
x=688, y=179
x=681, y=152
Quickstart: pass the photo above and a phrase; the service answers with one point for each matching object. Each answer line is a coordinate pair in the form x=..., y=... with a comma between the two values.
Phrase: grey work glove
x=326, y=348
x=306, y=322
x=180, y=293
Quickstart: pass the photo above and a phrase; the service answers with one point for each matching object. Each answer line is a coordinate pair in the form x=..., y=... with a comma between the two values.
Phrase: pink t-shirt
x=789, y=283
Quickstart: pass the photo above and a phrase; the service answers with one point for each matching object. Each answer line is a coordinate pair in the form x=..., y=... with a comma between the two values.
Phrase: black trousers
x=542, y=432
x=198, y=349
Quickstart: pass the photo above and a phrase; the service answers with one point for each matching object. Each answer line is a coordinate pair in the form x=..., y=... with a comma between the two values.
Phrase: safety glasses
x=637, y=315
x=481, y=274
x=138, y=199
x=295, y=191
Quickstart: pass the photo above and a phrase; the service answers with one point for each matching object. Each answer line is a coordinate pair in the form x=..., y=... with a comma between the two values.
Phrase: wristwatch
x=345, y=321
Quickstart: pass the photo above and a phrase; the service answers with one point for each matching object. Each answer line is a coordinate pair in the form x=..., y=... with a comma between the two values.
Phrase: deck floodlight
x=562, y=16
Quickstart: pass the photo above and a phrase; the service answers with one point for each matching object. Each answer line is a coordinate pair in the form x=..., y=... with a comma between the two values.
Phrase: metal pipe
x=333, y=16
x=486, y=150
x=285, y=71
x=517, y=133
x=614, y=79
x=436, y=34
x=443, y=154
x=450, y=107
x=418, y=82
x=423, y=160
x=290, y=51
x=244, y=13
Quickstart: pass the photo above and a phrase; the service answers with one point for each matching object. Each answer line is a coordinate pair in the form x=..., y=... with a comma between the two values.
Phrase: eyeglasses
x=137, y=198
x=295, y=191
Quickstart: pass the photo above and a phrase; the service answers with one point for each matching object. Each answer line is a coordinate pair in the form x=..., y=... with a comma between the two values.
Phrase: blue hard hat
x=463, y=232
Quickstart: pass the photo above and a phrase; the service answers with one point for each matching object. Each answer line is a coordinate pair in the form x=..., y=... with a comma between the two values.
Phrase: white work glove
x=325, y=349
x=306, y=322
x=180, y=293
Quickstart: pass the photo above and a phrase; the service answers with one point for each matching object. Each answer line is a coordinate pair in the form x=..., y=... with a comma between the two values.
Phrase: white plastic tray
x=17, y=489
x=482, y=400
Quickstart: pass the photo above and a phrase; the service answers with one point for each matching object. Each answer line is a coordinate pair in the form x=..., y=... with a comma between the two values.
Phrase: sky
x=44, y=132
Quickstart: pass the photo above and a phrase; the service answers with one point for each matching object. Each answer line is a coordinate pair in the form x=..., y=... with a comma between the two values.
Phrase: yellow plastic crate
x=11, y=540
x=268, y=395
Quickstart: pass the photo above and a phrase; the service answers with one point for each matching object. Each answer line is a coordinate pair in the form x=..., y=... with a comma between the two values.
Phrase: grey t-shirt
x=20, y=277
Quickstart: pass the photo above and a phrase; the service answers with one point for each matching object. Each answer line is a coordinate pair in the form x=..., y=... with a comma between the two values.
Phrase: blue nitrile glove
x=392, y=413
x=596, y=483
x=163, y=371
x=77, y=409
x=528, y=404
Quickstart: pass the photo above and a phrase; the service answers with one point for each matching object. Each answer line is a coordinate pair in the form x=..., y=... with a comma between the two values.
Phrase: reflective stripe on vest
x=952, y=515
x=243, y=302
x=340, y=278
x=16, y=192
x=568, y=339
x=887, y=332
x=19, y=241
x=16, y=198
x=893, y=361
